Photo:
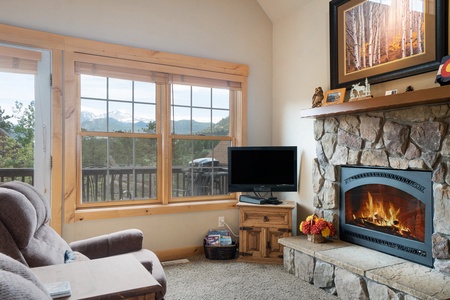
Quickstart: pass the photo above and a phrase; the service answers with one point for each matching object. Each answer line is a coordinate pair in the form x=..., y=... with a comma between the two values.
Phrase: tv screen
x=262, y=169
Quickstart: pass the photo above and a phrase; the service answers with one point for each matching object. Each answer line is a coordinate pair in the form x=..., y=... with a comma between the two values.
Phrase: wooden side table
x=260, y=228
x=115, y=277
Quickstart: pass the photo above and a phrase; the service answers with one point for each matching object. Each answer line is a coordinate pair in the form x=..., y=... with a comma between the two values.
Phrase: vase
x=316, y=238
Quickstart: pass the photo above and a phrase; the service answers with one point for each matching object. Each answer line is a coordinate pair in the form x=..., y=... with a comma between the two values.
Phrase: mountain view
x=119, y=121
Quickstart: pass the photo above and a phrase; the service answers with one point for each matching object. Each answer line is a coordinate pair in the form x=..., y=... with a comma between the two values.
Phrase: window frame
x=63, y=49
x=165, y=202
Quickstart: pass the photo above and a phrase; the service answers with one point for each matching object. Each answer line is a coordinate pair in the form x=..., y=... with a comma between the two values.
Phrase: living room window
x=126, y=117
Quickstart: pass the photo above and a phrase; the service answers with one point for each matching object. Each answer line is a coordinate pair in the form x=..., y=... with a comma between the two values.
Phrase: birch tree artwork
x=381, y=31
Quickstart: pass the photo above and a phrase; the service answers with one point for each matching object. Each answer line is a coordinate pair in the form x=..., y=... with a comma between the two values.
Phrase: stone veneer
x=414, y=138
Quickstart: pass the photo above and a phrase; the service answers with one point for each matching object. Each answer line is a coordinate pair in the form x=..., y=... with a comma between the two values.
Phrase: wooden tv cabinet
x=260, y=227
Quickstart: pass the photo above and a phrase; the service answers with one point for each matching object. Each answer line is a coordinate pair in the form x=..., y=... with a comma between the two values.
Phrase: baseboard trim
x=173, y=254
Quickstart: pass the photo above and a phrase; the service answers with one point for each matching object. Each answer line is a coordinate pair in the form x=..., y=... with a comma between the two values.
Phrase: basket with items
x=218, y=245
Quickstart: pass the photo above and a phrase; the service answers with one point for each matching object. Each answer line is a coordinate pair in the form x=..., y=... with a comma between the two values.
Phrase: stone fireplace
x=409, y=139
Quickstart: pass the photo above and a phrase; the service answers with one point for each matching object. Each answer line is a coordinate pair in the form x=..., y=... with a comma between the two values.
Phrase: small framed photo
x=334, y=96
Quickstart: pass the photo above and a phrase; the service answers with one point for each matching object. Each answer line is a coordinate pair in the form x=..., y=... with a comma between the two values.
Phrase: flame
x=382, y=215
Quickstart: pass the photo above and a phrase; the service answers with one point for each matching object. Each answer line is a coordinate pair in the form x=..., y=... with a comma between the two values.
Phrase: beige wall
x=233, y=30
x=300, y=63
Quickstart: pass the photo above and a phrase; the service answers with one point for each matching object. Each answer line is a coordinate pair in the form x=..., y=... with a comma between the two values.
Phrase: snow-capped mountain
x=120, y=116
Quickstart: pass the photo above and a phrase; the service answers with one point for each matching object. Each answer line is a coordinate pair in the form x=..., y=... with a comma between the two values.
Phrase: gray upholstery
x=18, y=282
x=26, y=236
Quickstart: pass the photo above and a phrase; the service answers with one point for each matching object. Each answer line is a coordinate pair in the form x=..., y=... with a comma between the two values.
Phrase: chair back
x=24, y=230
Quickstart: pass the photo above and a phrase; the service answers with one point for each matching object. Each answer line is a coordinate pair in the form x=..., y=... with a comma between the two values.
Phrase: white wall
x=300, y=59
x=232, y=30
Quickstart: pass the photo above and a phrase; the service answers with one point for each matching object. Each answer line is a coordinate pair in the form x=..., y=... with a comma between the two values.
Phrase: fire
x=386, y=216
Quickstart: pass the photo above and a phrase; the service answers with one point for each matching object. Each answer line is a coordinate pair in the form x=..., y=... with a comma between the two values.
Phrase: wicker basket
x=221, y=252
x=316, y=238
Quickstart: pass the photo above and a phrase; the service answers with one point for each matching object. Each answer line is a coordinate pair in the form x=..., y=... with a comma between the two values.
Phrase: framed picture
x=334, y=97
x=385, y=39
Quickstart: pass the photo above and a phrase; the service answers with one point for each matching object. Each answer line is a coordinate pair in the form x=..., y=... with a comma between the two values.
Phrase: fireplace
x=388, y=210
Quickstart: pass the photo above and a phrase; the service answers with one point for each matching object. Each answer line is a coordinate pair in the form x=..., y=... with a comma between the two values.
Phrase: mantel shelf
x=408, y=99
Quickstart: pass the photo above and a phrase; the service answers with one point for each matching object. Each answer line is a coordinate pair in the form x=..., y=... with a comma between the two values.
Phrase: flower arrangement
x=315, y=225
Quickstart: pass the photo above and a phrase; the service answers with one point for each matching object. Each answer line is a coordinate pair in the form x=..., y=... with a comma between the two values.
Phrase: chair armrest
x=120, y=242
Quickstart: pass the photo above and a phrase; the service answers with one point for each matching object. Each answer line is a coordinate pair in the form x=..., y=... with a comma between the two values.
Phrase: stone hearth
x=415, y=138
x=355, y=272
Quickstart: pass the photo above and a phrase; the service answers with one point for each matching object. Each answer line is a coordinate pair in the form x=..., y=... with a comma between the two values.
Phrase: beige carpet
x=201, y=278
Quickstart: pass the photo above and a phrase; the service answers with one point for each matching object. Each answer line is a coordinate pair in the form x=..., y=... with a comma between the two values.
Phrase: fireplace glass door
x=387, y=210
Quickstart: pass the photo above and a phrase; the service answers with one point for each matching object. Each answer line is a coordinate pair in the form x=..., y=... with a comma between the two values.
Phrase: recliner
x=26, y=236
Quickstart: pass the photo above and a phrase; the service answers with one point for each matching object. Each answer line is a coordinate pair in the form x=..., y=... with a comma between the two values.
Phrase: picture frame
x=335, y=96
x=425, y=56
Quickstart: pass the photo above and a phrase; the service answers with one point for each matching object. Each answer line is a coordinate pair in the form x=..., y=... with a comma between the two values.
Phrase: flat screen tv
x=262, y=169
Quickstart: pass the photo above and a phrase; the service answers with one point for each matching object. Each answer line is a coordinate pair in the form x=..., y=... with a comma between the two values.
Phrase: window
x=149, y=137
x=119, y=141
x=201, y=133
x=25, y=106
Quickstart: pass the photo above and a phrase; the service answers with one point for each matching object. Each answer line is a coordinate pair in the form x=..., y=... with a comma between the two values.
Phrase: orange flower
x=315, y=225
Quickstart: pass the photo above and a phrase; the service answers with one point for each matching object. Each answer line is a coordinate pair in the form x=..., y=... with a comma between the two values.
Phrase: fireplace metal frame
x=416, y=183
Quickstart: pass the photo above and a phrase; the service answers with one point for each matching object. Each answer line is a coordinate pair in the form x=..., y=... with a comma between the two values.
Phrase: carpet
x=201, y=278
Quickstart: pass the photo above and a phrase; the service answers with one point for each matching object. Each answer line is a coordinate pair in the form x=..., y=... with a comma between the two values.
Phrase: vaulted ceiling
x=276, y=9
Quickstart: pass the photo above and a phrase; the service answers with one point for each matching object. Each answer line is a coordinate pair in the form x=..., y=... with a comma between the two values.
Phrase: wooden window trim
x=64, y=49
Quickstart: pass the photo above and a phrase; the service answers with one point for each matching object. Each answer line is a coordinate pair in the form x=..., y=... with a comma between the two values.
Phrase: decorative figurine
x=359, y=92
x=443, y=74
x=317, y=97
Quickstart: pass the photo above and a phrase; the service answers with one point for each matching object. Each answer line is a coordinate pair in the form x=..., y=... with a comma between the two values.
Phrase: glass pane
x=181, y=120
x=221, y=120
x=17, y=107
x=201, y=121
x=119, y=168
x=181, y=95
x=94, y=152
x=201, y=96
x=120, y=89
x=120, y=117
x=93, y=114
x=144, y=118
x=93, y=86
x=199, y=168
x=120, y=152
x=145, y=92
x=146, y=166
x=221, y=98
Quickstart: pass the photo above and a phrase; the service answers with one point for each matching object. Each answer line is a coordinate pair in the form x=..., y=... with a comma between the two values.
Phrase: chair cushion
x=45, y=248
x=18, y=216
x=36, y=198
x=18, y=282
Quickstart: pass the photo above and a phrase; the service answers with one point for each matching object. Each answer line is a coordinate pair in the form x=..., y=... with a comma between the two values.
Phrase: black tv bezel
x=261, y=188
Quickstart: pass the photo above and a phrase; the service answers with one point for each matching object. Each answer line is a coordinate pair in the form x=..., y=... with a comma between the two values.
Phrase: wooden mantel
x=427, y=96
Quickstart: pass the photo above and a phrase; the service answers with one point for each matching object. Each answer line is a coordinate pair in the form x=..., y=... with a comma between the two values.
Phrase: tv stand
x=260, y=227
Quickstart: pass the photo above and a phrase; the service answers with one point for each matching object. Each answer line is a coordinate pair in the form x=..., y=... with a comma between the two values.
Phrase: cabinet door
x=275, y=249
x=252, y=242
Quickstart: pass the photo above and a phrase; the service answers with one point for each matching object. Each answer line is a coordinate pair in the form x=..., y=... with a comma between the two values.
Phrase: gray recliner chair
x=26, y=236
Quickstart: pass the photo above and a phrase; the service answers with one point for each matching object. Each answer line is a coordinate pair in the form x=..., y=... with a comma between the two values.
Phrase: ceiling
x=276, y=9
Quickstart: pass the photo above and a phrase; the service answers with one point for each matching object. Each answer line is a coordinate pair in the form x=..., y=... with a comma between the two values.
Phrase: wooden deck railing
x=121, y=183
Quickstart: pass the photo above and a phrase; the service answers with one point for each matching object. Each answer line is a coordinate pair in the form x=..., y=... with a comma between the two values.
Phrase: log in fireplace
x=388, y=210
